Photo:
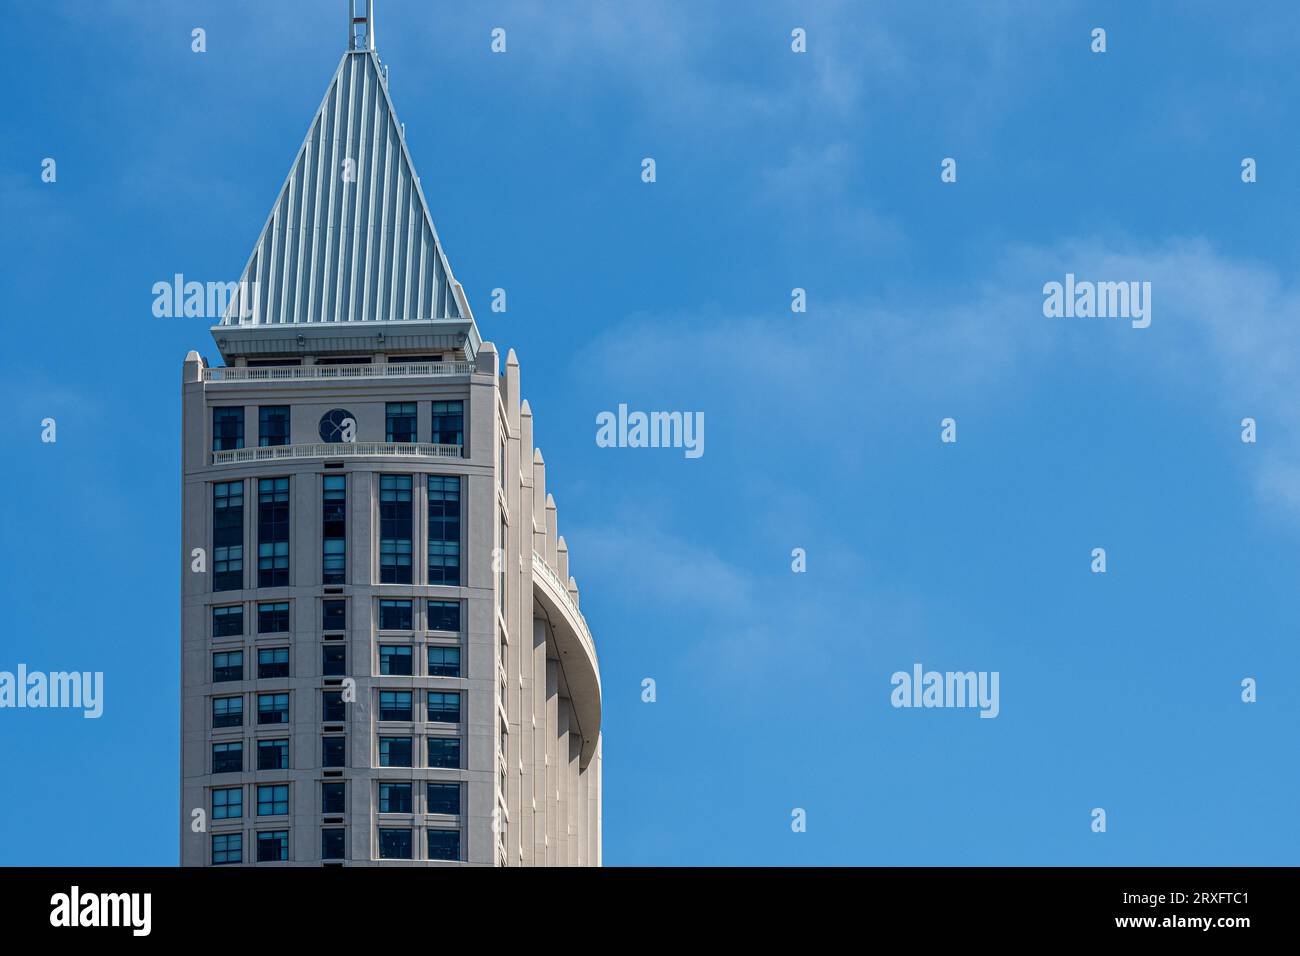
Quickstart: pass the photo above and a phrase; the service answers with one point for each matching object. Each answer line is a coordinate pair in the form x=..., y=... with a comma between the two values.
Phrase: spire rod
x=361, y=26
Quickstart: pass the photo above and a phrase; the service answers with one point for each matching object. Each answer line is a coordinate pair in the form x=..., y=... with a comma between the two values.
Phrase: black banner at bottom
x=335, y=905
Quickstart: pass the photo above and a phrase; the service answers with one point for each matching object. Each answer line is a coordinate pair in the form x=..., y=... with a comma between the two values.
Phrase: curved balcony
x=359, y=449
x=577, y=652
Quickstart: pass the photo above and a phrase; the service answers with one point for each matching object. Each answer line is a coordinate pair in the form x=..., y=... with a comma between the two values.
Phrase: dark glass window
x=394, y=751
x=333, y=706
x=394, y=843
x=395, y=705
x=334, y=660
x=334, y=496
x=273, y=425
x=272, y=532
x=228, y=621
x=273, y=800
x=227, y=428
x=395, y=529
x=444, y=616
x=273, y=618
x=442, y=798
x=333, y=797
x=228, y=804
x=448, y=423
x=336, y=616
x=332, y=843
x=500, y=561
x=401, y=421
x=273, y=662
x=444, y=707
x=394, y=798
x=444, y=661
x=272, y=845
x=273, y=755
x=331, y=752
x=227, y=536
x=444, y=844
x=444, y=529
x=444, y=752
x=227, y=666
x=228, y=758
x=395, y=616
x=395, y=659
x=272, y=708
x=227, y=848
x=227, y=712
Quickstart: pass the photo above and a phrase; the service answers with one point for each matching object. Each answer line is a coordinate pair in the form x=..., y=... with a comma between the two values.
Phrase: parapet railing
x=289, y=373
x=359, y=449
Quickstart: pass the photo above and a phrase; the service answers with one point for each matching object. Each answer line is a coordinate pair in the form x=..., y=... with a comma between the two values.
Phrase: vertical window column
x=444, y=529
x=272, y=532
x=227, y=536
x=395, y=523
x=334, y=529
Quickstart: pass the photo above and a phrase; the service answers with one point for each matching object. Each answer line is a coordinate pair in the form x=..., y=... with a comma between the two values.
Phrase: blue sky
x=774, y=171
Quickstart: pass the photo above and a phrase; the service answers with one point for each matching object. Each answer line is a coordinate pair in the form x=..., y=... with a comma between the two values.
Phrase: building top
x=349, y=254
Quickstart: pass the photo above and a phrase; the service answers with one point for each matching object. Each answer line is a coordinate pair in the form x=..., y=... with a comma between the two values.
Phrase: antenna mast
x=361, y=25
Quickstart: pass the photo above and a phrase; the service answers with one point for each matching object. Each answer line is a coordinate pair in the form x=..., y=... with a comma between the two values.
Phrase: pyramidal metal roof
x=349, y=239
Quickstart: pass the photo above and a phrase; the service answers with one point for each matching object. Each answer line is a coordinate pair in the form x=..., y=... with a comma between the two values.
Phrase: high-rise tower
x=383, y=658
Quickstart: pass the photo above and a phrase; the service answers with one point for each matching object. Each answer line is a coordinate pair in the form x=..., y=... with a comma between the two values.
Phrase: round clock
x=337, y=425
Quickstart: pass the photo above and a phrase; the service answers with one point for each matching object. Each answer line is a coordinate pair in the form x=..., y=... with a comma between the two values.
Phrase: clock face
x=337, y=425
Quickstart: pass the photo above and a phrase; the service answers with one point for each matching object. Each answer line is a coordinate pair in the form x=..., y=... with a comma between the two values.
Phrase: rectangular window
x=395, y=660
x=333, y=797
x=448, y=423
x=501, y=565
x=334, y=660
x=334, y=495
x=272, y=708
x=394, y=843
x=227, y=428
x=227, y=666
x=273, y=425
x=442, y=798
x=332, y=706
x=395, y=529
x=395, y=705
x=273, y=755
x=272, y=532
x=227, y=536
x=273, y=662
x=335, y=616
x=228, y=621
x=227, y=712
x=272, y=846
x=444, y=707
x=444, y=752
x=395, y=616
x=444, y=661
x=332, y=843
x=228, y=803
x=228, y=758
x=444, y=529
x=227, y=848
x=394, y=751
x=394, y=798
x=444, y=844
x=273, y=800
x=332, y=752
x=444, y=616
x=401, y=421
x=273, y=618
